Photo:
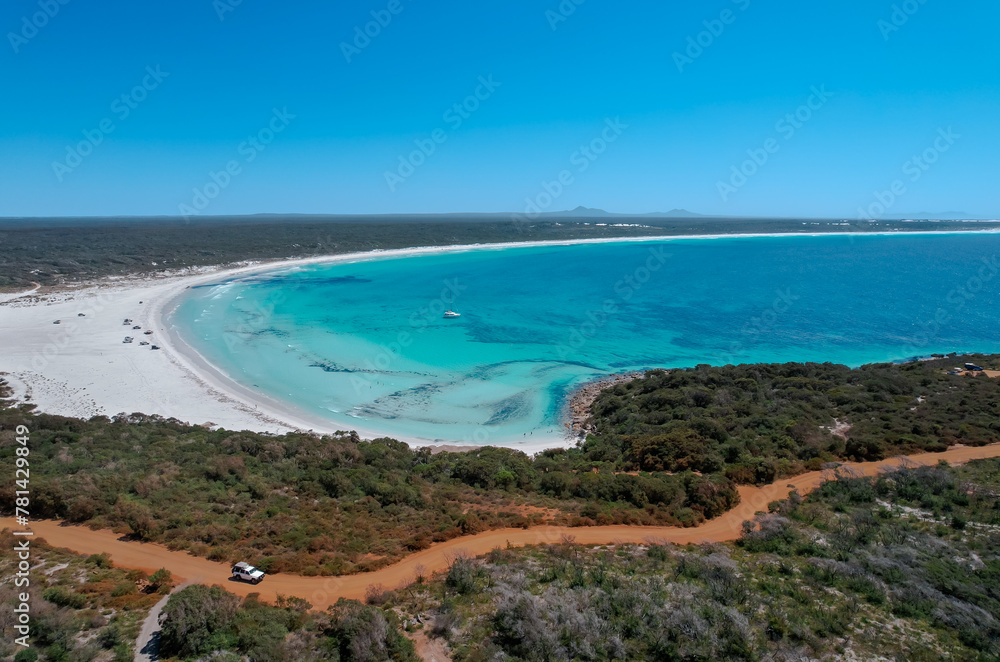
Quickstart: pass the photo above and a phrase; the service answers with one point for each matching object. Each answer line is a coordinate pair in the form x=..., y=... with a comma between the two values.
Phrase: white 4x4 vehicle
x=247, y=573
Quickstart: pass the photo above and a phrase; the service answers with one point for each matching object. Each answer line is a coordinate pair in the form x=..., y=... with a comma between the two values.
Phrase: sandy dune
x=324, y=591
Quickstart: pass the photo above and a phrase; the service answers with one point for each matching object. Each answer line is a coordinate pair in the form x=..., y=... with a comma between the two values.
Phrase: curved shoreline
x=287, y=412
x=81, y=368
x=322, y=592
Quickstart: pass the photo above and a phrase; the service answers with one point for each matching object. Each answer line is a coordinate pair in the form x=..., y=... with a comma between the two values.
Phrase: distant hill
x=579, y=212
x=590, y=212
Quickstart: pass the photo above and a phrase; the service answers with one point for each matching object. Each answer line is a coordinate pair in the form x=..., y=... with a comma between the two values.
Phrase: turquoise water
x=365, y=345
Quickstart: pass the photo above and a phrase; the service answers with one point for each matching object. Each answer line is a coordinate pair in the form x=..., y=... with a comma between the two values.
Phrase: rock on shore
x=583, y=398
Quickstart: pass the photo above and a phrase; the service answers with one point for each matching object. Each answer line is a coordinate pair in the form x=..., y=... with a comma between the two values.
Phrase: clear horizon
x=554, y=215
x=391, y=107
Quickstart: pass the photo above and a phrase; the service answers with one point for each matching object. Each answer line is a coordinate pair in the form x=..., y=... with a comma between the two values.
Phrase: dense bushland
x=338, y=504
x=757, y=422
x=319, y=505
x=201, y=620
x=55, y=251
x=905, y=566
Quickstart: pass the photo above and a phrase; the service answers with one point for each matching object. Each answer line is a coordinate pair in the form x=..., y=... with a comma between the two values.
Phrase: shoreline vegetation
x=60, y=251
x=671, y=448
x=578, y=405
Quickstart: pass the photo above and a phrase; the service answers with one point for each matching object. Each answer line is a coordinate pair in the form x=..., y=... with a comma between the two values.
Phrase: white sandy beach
x=81, y=367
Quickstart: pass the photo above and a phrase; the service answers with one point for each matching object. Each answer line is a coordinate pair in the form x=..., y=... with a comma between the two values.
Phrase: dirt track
x=324, y=591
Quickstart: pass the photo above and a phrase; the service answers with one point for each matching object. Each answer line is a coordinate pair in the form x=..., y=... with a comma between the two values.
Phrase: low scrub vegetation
x=82, y=608
x=901, y=567
x=668, y=449
x=202, y=620
x=319, y=505
x=904, y=566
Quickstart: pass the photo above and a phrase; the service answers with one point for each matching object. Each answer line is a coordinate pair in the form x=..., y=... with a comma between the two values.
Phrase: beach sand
x=81, y=368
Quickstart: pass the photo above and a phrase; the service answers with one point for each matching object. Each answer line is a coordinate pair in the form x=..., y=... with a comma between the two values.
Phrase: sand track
x=324, y=591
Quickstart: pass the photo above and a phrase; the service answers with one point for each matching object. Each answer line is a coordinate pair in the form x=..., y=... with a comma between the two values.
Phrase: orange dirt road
x=324, y=591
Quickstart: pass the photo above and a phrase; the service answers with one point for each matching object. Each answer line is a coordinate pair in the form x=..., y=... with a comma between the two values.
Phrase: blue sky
x=339, y=136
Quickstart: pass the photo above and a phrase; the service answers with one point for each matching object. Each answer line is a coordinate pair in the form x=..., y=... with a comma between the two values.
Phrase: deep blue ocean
x=365, y=344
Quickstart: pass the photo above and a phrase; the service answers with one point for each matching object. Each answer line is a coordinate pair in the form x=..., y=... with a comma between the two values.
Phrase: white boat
x=451, y=314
